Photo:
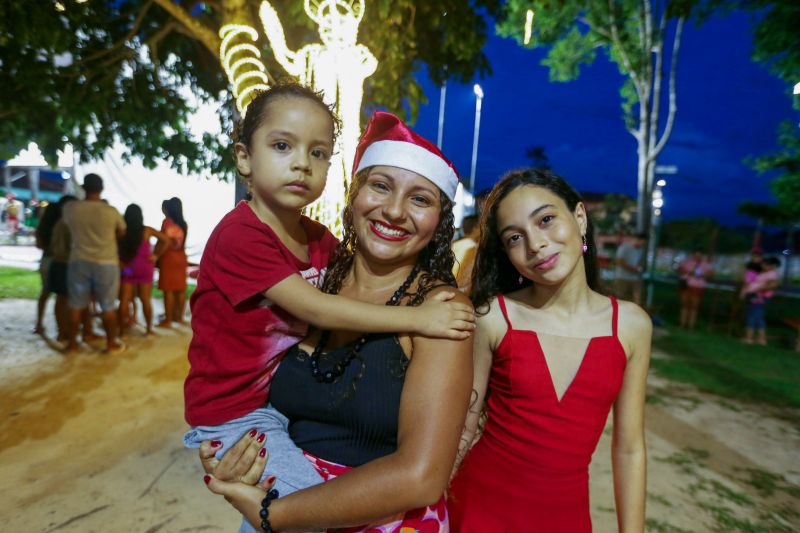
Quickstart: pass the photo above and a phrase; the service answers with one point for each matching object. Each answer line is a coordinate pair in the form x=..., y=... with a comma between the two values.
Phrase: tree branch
x=673, y=97
x=131, y=33
x=152, y=45
x=655, y=110
x=198, y=30
x=622, y=52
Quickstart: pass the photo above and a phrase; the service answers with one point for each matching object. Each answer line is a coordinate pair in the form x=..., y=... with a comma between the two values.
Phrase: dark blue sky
x=728, y=108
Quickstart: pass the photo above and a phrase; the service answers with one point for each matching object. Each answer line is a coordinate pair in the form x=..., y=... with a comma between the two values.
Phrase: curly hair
x=435, y=261
x=493, y=272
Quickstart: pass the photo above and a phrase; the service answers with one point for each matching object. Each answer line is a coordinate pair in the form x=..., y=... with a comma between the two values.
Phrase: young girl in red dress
x=552, y=357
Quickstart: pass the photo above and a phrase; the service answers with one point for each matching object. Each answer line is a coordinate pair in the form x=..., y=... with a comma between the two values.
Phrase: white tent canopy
x=205, y=201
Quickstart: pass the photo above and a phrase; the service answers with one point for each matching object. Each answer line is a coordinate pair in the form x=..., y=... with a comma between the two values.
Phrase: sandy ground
x=91, y=443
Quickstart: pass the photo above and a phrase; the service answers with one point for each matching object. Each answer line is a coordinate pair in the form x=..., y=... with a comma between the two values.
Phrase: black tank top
x=352, y=420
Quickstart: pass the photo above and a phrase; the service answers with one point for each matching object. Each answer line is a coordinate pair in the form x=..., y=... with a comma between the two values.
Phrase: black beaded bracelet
x=265, y=526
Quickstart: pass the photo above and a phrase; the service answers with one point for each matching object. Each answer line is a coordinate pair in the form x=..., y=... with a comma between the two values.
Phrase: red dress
x=529, y=472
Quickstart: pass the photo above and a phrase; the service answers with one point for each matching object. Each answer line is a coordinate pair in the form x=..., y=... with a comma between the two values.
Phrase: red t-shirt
x=238, y=334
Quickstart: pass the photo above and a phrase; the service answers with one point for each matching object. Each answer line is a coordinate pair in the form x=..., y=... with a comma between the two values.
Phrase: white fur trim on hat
x=411, y=157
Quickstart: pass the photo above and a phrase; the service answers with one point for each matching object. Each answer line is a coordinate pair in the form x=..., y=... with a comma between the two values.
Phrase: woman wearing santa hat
x=379, y=416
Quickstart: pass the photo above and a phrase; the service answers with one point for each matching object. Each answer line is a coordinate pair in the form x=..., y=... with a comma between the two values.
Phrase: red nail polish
x=216, y=443
x=206, y=478
x=271, y=480
x=252, y=433
x=262, y=437
x=262, y=453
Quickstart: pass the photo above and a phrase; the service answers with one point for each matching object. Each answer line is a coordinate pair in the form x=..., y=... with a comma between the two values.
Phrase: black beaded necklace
x=330, y=375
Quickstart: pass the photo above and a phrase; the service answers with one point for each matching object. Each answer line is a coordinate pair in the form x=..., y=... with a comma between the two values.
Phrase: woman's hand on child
x=245, y=498
x=244, y=462
x=441, y=318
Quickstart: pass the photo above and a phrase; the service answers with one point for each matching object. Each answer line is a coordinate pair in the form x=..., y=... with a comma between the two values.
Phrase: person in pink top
x=694, y=272
x=138, y=263
x=756, y=293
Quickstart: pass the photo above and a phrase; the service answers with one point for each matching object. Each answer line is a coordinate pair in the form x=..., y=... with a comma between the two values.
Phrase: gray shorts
x=85, y=279
x=286, y=461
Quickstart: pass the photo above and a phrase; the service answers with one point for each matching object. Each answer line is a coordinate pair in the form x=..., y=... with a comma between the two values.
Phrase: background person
x=464, y=250
x=694, y=272
x=138, y=266
x=757, y=292
x=173, y=263
x=93, y=268
x=630, y=268
x=44, y=234
x=60, y=246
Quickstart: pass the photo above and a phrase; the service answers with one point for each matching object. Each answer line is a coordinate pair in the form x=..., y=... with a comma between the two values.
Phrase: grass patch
x=722, y=365
x=24, y=283
x=19, y=283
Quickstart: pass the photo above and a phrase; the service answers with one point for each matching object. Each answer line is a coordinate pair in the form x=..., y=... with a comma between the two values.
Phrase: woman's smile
x=547, y=263
x=387, y=231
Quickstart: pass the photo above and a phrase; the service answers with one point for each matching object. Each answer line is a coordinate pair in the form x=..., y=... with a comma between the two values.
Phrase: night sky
x=728, y=108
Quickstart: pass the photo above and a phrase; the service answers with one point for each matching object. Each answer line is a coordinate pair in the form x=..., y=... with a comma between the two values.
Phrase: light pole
x=442, y=100
x=478, y=101
x=657, y=203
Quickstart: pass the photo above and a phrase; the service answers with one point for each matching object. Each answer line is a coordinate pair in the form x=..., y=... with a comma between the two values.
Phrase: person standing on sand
x=93, y=268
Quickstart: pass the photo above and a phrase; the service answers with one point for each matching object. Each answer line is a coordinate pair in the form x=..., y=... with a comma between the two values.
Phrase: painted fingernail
x=261, y=437
x=262, y=453
x=216, y=443
x=271, y=480
x=206, y=478
x=252, y=433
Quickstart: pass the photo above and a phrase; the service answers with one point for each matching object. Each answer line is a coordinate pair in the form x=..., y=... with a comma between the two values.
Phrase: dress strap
x=614, y=315
x=502, y=302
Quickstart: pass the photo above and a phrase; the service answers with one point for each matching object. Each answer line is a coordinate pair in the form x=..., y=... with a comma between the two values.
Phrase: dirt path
x=91, y=442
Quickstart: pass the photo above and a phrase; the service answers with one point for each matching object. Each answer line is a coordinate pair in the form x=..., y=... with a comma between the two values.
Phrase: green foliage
x=776, y=39
x=101, y=71
x=84, y=76
x=703, y=233
x=785, y=162
x=617, y=215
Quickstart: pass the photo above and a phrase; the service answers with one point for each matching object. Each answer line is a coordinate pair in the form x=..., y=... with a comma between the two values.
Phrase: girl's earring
x=519, y=281
x=584, y=246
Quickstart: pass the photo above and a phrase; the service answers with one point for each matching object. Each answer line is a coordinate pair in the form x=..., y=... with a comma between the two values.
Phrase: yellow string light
x=241, y=74
x=528, y=26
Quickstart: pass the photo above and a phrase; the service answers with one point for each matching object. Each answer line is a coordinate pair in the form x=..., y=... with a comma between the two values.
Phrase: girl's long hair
x=435, y=261
x=493, y=271
x=44, y=231
x=130, y=242
x=174, y=211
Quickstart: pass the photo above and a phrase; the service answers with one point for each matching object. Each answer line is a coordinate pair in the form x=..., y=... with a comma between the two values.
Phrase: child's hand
x=439, y=317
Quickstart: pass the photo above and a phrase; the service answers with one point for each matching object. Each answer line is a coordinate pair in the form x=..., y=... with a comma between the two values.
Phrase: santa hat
x=389, y=142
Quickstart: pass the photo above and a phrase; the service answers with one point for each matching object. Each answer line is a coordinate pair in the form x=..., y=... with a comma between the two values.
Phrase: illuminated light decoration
x=59, y=6
x=337, y=67
x=240, y=73
x=528, y=25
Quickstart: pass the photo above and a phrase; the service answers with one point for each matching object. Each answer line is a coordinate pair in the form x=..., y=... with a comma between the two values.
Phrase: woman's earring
x=519, y=281
x=584, y=246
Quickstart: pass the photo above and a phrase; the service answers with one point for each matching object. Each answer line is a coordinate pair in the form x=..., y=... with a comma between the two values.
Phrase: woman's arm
x=433, y=407
x=487, y=335
x=162, y=244
x=437, y=317
x=628, y=453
